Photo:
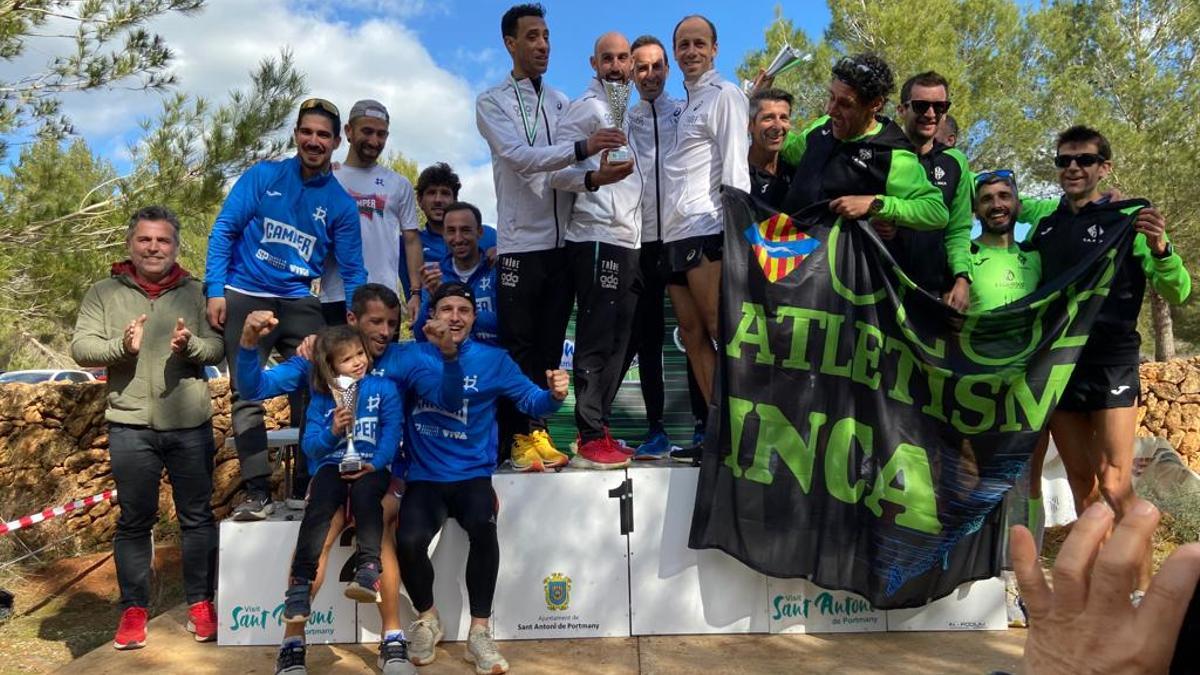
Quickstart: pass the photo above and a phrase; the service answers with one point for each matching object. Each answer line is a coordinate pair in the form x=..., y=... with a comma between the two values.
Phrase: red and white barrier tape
x=47, y=514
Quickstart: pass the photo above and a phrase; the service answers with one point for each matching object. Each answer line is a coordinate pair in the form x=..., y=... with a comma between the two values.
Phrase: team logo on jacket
x=558, y=592
x=779, y=245
x=275, y=232
x=366, y=430
x=1094, y=233
x=938, y=173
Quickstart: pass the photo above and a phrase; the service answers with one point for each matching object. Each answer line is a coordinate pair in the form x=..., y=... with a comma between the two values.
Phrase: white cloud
x=432, y=109
x=479, y=189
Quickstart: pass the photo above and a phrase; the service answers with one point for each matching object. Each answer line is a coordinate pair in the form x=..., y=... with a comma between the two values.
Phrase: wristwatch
x=876, y=207
x=1166, y=252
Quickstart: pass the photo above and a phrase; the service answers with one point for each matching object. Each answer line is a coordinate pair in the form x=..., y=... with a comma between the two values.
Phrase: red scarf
x=153, y=289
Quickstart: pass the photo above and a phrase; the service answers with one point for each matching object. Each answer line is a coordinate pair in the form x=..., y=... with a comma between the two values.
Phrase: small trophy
x=788, y=57
x=346, y=394
x=618, y=103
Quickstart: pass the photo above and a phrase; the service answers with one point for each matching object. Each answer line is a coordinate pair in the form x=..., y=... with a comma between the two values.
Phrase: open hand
x=180, y=337
x=611, y=172
x=1075, y=622
x=366, y=469
x=133, y=335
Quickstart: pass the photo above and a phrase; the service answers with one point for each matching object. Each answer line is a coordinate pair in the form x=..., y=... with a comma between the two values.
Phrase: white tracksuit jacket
x=530, y=214
x=711, y=144
x=651, y=132
x=613, y=213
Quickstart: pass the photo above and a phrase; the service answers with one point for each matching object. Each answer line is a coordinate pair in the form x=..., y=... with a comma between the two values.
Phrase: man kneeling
x=451, y=456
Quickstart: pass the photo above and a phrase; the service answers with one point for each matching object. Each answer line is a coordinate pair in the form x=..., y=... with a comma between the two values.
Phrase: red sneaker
x=617, y=445
x=202, y=621
x=131, y=632
x=600, y=453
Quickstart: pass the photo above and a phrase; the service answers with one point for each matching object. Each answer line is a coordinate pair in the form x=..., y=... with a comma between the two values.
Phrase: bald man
x=603, y=237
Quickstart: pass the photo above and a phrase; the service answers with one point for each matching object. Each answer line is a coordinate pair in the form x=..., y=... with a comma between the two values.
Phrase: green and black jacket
x=936, y=258
x=881, y=162
x=1064, y=237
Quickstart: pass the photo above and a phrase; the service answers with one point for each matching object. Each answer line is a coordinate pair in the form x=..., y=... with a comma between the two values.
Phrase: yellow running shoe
x=550, y=456
x=525, y=456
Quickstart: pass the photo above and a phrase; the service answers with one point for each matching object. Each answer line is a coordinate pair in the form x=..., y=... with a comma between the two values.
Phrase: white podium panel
x=564, y=570
x=674, y=589
x=978, y=605
x=800, y=606
x=255, y=559
x=448, y=552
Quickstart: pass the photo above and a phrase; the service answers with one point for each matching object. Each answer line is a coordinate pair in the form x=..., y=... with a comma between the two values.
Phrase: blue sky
x=574, y=26
x=425, y=59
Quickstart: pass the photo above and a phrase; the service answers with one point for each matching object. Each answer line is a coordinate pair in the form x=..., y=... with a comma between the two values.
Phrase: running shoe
x=131, y=631
x=656, y=446
x=290, y=660
x=690, y=454
x=202, y=621
x=256, y=506
x=423, y=637
x=600, y=453
x=481, y=651
x=393, y=657
x=296, y=601
x=544, y=446
x=365, y=586
x=525, y=455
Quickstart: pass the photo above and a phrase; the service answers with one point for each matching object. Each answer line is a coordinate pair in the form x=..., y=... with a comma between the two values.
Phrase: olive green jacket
x=155, y=388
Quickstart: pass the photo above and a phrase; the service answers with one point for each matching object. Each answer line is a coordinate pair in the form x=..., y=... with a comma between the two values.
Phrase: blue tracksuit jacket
x=275, y=232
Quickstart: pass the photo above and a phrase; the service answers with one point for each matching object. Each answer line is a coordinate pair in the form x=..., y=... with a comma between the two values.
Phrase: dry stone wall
x=1170, y=406
x=54, y=447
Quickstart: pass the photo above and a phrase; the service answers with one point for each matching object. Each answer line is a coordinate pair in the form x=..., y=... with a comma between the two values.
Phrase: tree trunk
x=1164, y=329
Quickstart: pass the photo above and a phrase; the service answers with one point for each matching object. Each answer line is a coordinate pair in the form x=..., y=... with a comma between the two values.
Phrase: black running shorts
x=1094, y=387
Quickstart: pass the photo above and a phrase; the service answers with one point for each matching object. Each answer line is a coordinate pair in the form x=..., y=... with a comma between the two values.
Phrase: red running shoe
x=202, y=621
x=131, y=632
x=600, y=453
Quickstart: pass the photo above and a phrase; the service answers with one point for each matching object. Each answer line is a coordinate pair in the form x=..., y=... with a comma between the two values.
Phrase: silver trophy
x=618, y=103
x=345, y=392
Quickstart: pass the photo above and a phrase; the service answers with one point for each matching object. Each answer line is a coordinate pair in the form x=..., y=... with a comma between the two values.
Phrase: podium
x=582, y=554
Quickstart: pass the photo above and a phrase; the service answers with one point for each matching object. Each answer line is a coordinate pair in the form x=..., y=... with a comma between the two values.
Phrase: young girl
x=376, y=422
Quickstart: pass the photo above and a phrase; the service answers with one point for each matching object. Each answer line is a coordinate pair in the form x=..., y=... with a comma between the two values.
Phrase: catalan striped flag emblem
x=779, y=245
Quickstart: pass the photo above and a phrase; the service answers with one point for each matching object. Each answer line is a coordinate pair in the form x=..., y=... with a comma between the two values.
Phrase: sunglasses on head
x=922, y=107
x=1084, y=160
x=321, y=104
x=1006, y=175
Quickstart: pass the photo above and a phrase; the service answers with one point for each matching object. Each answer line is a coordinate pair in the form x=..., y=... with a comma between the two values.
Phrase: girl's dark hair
x=330, y=341
x=867, y=74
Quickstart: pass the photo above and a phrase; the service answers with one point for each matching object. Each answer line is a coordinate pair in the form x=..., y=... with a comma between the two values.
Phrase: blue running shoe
x=657, y=445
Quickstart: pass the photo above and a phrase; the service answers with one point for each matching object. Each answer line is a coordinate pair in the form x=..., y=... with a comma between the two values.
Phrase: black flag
x=863, y=432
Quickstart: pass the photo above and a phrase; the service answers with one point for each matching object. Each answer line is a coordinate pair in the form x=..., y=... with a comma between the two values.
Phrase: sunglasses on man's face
x=1084, y=160
x=922, y=107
